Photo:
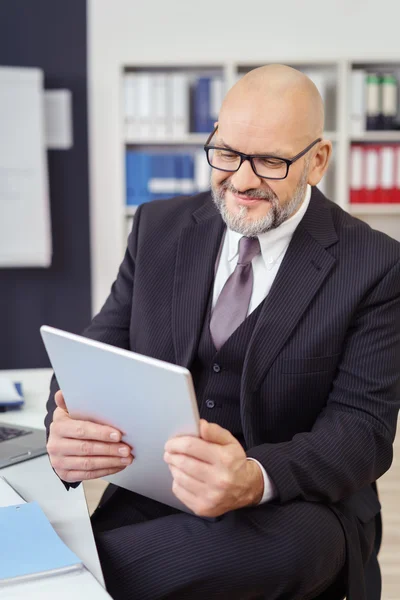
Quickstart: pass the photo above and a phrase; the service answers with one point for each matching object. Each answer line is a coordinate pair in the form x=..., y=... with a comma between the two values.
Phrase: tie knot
x=248, y=249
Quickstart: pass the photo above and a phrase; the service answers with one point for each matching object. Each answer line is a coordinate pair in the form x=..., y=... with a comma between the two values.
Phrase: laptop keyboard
x=9, y=433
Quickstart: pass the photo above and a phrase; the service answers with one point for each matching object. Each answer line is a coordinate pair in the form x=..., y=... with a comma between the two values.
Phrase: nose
x=245, y=178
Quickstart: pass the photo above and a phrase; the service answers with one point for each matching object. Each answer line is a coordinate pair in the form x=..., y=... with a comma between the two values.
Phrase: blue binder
x=202, y=118
x=29, y=544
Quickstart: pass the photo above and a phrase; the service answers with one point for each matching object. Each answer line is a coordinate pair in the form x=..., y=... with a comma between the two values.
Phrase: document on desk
x=9, y=392
x=30, y=548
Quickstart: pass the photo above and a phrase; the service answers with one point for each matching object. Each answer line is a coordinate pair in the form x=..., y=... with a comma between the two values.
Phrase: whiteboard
x=25, y=227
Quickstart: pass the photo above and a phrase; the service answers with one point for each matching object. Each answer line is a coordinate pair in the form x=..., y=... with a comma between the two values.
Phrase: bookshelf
x=375, y=209
x=337, y=88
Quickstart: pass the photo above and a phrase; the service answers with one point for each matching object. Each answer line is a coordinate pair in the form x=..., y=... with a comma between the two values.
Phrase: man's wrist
x=255, y=483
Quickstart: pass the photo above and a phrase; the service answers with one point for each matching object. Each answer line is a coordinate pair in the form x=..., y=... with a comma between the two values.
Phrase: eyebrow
x=276, y=154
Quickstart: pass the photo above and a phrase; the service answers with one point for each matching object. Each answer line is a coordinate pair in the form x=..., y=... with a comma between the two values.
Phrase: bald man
x=286, y=310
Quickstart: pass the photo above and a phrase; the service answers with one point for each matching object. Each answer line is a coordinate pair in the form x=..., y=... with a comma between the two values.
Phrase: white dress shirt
x=274, y=244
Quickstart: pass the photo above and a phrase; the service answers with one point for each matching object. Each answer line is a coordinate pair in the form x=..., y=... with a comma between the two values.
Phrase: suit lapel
x=194, y=274
x=305, y=267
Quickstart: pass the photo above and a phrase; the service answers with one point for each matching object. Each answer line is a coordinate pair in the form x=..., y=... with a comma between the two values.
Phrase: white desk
x=36, y=480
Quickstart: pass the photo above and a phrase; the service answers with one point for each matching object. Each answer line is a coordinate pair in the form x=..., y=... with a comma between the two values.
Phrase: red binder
x=396, y=194
x=371, y=173
x=386, y=173
x=356, y=174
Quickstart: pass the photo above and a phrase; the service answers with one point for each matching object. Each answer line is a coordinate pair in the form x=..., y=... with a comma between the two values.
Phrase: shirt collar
x=272, y=242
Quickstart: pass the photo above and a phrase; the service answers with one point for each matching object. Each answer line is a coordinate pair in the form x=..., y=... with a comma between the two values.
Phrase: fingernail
x=114, y=437
x=125, y=461
x=123, y=451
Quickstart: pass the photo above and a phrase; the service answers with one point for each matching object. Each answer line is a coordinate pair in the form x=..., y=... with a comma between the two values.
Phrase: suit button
x=216, y=368
x=210, y=403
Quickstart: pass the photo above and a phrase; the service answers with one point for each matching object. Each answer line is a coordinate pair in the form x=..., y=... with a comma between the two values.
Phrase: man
x=287, y=312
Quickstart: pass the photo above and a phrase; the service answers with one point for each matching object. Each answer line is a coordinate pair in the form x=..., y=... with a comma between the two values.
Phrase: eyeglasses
x=263, y=165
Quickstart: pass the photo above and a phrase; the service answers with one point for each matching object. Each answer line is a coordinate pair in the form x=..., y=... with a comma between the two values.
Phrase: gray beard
x=277, y=214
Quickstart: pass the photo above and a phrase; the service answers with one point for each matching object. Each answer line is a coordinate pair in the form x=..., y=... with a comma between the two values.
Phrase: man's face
x=249, y=204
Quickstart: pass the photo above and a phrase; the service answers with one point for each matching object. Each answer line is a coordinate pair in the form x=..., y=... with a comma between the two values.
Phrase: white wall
x=180, y=31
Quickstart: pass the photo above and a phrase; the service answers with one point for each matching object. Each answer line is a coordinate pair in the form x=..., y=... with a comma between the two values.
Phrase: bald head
x=276, y=97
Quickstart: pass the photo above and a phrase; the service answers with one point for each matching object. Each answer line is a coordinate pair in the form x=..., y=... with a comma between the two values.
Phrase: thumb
x=211, y=432
x=59, y=400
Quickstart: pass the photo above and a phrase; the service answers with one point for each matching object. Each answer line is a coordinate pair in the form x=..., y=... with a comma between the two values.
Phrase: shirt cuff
x=269, y=488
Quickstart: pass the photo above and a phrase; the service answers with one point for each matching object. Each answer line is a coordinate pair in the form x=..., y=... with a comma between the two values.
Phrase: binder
x=144, y=128
x=216, y=98
x=396, y=195
x=356, y=174
x=372, y=173
x=30, y=547
x=179, y=89
x=373, y=102
x=160, y=105
x=134, y=167
x=357, y=101
x=162, y=182
x=202, y=106
x=389, y=100
x=387, y=174
x=131, y=105
x=143, y=175
x=129, y=184
x=137, y=177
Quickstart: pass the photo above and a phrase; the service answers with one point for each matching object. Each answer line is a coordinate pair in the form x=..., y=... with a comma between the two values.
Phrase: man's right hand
x=82, y=450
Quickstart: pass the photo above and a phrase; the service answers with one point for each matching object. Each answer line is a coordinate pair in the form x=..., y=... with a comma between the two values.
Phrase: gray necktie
x=233, y=302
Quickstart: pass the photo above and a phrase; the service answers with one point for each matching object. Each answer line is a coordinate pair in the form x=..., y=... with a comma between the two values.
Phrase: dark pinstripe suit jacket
x=321, y=380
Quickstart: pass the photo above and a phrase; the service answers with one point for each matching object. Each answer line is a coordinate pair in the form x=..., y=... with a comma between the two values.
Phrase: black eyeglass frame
x=249, y=157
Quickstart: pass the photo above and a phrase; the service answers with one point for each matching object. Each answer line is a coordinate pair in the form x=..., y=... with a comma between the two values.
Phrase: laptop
x=149, y=400
x=20, y=443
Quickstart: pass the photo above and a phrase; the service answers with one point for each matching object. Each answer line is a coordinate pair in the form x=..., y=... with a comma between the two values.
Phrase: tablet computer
x=148, y=400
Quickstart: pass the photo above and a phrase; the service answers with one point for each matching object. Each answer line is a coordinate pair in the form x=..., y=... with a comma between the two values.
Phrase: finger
x=192, y=446
x=73, y=476
x=190, y=500
x=211, y=432
x=196, y=469
x=60, y=413
x=90, y=463
x=59, y=400
x=69, y=447
x=86, y=430
x=187, y=482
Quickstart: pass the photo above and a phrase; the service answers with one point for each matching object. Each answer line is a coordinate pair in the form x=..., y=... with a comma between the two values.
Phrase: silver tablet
x=147, y=399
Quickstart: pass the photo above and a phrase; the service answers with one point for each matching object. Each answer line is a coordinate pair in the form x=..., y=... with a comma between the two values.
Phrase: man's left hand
x=211, y=473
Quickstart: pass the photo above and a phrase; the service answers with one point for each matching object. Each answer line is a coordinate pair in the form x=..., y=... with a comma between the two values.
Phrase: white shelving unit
x=336, y=75
x=375, y=209
x=385, y=216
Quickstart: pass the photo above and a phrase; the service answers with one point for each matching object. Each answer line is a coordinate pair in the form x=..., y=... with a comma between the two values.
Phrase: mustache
x=256, y=194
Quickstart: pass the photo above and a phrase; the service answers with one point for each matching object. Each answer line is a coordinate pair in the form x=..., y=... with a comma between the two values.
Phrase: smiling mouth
x=243, y=199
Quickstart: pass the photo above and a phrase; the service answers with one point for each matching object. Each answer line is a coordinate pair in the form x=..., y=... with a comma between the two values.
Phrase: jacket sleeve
x=111, y=324
x=350, y=444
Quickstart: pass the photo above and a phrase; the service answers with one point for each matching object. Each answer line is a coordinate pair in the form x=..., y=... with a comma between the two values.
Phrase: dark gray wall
x=51, y=35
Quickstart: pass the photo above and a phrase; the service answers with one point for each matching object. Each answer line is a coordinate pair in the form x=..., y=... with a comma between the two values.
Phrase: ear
x=320, y=162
